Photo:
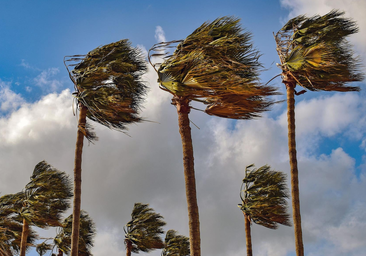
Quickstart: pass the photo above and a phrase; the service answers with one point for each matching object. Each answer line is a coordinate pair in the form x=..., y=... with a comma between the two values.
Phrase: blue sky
x=37, y=123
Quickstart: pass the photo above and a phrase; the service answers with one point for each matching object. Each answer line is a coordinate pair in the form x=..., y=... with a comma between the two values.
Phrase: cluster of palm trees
x=218, y=67
x=41, y=205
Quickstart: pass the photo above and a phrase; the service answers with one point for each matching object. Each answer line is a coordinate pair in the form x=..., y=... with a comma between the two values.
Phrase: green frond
x=218, y=66
x=264, y=196
x=175, y=245
x=144, y=229
x=108, y=82
x=314, y=52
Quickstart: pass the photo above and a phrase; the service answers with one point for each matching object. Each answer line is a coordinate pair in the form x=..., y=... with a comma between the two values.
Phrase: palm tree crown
x=218, y=66
x=315, y=54
x=175, y=245
x=108, y=82
x=264, y=197
x=142, y=232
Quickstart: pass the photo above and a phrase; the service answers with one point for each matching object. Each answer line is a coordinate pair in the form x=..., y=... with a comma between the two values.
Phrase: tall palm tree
x=44, y=199
x=142, y=232
x=314, y=54
x=263, y=194
x=109, y=90
x=217, y=66
x=175, y=245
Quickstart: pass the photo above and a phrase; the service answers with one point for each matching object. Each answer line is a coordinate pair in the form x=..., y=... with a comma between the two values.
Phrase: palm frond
x=108, y=82
x=213, y=65
x=315, y=54
x=264, y=196
x=175, y=245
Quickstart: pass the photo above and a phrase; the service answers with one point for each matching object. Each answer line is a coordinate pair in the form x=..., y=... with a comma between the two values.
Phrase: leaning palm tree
x=263, y=194
x=175, y=245
x=109, y=90
x=43, y=201
x=11, y=228
x=142, y=232
x=217, y=66
x=315, y=55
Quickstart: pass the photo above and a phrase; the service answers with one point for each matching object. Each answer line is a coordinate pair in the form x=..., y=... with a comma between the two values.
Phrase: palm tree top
x=175, y=245
x=108, y=82
x=218, y=66
x=315, y=54
x=144, y=229
x=264, y=196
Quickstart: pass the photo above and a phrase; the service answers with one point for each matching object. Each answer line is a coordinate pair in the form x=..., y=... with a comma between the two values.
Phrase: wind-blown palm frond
x=142, y=232
x=108, y=82
x=86, y=237
x=175, y=245
x=315, y=54
x=264, y=197
x=218, y=66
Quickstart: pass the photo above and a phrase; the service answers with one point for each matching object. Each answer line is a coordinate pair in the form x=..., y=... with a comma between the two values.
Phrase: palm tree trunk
x=128, y=247
x=248, y=235
x=183, y=110
x=24, y=238
x=77, y=182
x=293, y=165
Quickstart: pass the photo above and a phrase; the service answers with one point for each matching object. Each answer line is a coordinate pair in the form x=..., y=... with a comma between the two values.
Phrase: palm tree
x=314, y=54
x=86, y=236
x=263, y=200
x=142, y=232
x=11, y=228
x=109, y=90
x=217, y=66
x=175, y=245
x=42, y=202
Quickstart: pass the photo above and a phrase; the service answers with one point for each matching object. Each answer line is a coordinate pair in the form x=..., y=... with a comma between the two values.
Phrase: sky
x=37, y=123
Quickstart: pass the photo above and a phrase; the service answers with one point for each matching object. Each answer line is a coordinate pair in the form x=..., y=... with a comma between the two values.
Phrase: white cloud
x=9, y=100
x=159, y=34
x=46, y=82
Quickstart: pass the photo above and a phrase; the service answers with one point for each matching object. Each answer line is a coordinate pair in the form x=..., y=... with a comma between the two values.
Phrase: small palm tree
x=142, y=232
x=263, y=194
x=41, y=203
x=314, y=54
x=11, y=228
x=109, y=91
x=217, y=66
x=86, y=236
x=175, y=245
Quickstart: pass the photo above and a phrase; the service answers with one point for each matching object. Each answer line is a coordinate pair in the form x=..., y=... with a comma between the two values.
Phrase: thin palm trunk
x=128, y=247
x=183, y=110
x=77, y=182
x=248, y=235
x=293, y=165
x=23, y=243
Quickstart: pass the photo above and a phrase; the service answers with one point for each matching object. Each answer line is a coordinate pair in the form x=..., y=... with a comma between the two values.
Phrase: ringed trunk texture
x=293, y=165
x=183, y=110
x=128, y=247
x=23, y=243
x=77, y=182
x=248, y=235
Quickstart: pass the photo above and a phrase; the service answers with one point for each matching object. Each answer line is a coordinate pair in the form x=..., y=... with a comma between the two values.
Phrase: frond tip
x=108, y=82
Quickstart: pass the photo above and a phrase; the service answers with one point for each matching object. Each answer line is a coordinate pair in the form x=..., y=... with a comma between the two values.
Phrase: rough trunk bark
x=24, y=238
x=248, y=235
x=293, y=165
x=183, y=110
x=77, y=182
x=128, y=247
